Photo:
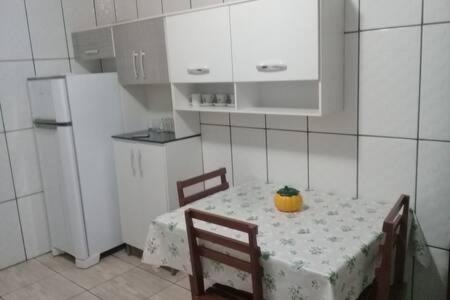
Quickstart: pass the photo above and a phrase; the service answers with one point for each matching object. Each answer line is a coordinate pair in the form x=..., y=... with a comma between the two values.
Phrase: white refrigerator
x=75, y=117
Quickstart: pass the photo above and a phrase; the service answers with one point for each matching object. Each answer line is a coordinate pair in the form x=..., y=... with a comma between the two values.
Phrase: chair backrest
x=181, y=185
x=197, y=251
x=395, y=229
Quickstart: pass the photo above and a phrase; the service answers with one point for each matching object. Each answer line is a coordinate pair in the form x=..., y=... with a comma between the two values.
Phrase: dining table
x=328, y=250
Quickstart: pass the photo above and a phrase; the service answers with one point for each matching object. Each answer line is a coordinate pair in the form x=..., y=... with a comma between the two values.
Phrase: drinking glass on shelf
x=156, y=125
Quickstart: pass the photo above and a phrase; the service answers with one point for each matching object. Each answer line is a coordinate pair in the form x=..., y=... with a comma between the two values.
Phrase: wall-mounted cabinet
x=141, y=52
x=199, y=46
x=93, y=44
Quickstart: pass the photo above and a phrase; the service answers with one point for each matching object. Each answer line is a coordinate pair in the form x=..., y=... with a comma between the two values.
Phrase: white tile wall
x=125, y=10
x=148, y=8
x=214, y=118
x=431, y=282
x=286, y=122
x=216, y=150
x=332, y=163
x=433, y=192
x=351, y=15
x=287, y=158
x=52, y=67
x=247, y=120
x=47, y=28
x=24, y=161
x=33, y=217
x=6, y=185
x=13, y=94
x=249, y=154
x=345, y=121
x=11, y=247
x=435, y=92
x=388, y=13
x=389, y=82
x=105, y=12
x=386, y=168
x=175, y=5
x=200, y=3
x=78, y=15
x=18, y=41
x=436, y=11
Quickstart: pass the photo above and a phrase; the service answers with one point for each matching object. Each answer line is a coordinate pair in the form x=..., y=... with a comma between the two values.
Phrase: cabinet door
x=127, y=56
x=152, y=52
x=149, y=8
x=128, y=180
x=199, y=46
x=279, y=42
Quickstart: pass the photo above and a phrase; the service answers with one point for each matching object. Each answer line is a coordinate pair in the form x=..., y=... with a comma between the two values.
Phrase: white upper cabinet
x=275, y=40
x=199, y=46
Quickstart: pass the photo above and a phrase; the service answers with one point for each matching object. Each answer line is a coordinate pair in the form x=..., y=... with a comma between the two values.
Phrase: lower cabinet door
x=11, y=245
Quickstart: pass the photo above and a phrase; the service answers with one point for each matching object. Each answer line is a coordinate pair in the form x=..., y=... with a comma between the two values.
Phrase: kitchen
x=369, y=123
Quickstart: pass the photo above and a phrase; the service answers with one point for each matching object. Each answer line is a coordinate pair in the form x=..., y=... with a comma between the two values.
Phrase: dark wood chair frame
x=197, y=251
x=395, y=229
x=181, y=185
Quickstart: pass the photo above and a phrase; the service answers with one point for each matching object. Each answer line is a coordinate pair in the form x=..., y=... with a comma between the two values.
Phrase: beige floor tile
x=163, y=273
x=22, y=275
x=173, y=293
x=85, y=296
x=131, y=259
x=60, y=263
x=52, y=288
x=108, y=268
x=184, y=283
x=136, y=284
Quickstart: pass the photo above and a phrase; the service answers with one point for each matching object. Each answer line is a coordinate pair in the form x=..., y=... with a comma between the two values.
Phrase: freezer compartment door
x=49, y=100
x=62, y=189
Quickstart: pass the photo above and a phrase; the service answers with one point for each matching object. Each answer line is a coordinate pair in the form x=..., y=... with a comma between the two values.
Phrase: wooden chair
x=197, y=251
x=395, y=229
x=181, y=185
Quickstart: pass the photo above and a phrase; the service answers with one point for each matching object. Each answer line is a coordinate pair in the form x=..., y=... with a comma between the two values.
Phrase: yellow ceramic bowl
x=288, y=203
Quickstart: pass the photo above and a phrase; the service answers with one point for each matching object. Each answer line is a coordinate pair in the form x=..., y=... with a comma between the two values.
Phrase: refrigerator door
x=49, y=100
x=62, y=189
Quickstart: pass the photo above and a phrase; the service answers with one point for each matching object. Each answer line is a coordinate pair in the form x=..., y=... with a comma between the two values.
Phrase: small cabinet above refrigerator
x=94, y=44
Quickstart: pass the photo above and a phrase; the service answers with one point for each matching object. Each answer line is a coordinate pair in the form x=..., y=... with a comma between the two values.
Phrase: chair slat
x=225, y=259
x=222, y=240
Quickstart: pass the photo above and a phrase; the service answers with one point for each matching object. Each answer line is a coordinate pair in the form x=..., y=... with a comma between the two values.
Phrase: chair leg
x=194, y=291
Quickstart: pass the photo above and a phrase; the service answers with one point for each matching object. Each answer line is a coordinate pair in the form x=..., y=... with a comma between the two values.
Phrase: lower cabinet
x=147, y=174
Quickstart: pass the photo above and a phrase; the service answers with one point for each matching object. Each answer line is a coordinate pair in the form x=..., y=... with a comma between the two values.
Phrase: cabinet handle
x=91, y=52
x=274, y=67
x=135, y=55
x=133, y=169
x=142, y=64
x=198, y=71
x=141, y=170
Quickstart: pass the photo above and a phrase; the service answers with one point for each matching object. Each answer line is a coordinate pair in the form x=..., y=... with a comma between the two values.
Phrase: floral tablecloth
x=327, y=251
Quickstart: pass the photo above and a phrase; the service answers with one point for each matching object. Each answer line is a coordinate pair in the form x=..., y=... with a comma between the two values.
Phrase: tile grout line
x=307, y=153
x=267, y=149
x=231, y=149
x=65, y=35
x=358, y=79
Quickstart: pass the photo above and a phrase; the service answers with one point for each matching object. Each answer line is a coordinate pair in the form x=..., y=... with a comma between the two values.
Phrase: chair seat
x=397, y=292
x=223, y=292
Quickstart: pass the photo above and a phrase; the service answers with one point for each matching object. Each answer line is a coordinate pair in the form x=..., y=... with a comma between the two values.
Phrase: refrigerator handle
x=141, y=170
x=133, y=169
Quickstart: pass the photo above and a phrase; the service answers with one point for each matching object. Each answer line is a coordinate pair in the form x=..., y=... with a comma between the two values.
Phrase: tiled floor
x=116, y=277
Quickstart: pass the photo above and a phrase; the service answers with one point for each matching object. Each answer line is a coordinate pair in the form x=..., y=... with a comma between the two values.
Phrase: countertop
x=151, y=136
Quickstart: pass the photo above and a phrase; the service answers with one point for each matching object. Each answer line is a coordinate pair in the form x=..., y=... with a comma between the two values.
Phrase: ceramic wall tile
x=34, y=222
x=78, y=15
x=249, y=154
x=200, y=3
x=286, y=122
x=11, y=247
x=214, y=118
x=346, y=120
x=175, y=5
x=14, y=44
x=24, y=161
x=332, y=163
x=432, y=192
x=46, y=23
x=389, y=13
x=436, y=11
x=6, y=184
x=105, y=12
x=149, y=8
x=216, y=150
x=351, y=15
x=13, y=94
x=86, y=66
x=431, y=282
x=386, y=168
x=287, y=158
x=248, y=120
x=126, y=10
x=52, y=67
x=389, y=82
x=435, y=92
x=2, y=129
